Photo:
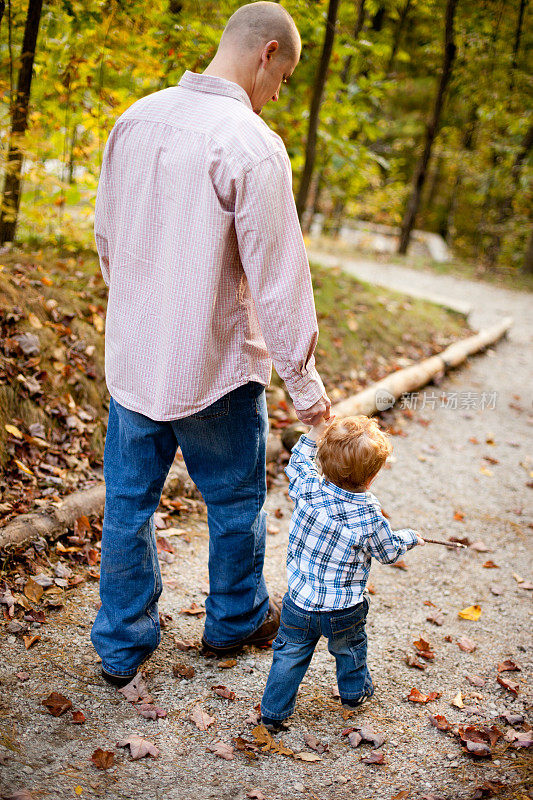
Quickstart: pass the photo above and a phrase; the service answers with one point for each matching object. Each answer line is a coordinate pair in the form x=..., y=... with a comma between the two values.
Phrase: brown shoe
x=259, y=638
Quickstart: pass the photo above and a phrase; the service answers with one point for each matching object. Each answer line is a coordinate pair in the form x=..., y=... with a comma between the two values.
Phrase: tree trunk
x=527, y=266
x=506, y=207
x=398, y=34
x=516, y=45
x=310, y=150
x=19, y=123
x=431, y=130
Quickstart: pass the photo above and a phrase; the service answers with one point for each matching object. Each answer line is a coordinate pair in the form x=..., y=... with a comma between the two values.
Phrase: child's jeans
x=293, y=647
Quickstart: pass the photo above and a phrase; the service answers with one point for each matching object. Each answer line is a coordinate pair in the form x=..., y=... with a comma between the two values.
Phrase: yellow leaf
x=14, y=431
x=485, y=471
x=458, y=701
x=78, y=790
x=472, y=612
x=98, y=323
x=23, y=467
x=34, y=320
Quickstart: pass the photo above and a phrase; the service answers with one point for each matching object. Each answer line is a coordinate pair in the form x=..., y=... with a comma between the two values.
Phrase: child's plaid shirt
x=333, y=534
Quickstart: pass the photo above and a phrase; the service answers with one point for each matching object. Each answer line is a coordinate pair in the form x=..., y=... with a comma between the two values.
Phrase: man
x=199, y=242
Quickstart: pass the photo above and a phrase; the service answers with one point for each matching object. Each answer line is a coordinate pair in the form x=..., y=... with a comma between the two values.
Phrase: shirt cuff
x=305, y=390
x=409, y=536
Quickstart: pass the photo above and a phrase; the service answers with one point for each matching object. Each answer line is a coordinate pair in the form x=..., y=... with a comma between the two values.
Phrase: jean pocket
x=294, y=625
x=220, y=408
x=349, y=624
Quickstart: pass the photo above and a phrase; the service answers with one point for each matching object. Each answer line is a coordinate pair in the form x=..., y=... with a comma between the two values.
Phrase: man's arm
x=273, y=256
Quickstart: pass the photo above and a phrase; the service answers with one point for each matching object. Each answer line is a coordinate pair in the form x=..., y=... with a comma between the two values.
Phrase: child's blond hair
x=352, y=450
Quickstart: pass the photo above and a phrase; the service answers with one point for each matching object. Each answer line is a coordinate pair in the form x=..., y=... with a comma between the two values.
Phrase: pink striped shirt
x=200, y=245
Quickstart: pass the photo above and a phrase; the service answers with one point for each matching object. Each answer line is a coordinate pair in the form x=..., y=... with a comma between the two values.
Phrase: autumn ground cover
x=449, y=643
x=53, y=399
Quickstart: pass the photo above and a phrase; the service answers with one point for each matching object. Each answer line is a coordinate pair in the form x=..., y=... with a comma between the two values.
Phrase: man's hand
x=317, y=412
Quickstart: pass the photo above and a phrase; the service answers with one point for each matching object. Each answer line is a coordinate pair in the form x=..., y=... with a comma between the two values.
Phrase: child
x=336, y=526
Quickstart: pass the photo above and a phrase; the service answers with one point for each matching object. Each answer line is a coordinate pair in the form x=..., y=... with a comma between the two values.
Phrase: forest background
x=377, y=81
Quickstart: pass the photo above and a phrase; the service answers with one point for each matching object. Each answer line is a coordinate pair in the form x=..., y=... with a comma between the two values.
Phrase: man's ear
x=271, y=49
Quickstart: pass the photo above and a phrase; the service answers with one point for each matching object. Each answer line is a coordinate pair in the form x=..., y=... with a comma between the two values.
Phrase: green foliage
x=95, y=57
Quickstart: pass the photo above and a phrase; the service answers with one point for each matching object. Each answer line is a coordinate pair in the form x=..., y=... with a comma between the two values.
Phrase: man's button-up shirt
x=200, y=245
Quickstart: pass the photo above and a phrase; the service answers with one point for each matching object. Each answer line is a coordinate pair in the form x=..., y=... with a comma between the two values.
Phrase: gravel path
x=456, y=471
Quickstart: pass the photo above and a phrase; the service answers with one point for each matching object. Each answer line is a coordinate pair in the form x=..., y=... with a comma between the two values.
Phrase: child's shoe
x=359, y=702
x=274, y=725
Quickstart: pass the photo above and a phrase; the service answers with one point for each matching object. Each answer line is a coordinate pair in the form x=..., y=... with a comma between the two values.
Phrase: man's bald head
x=255, y=24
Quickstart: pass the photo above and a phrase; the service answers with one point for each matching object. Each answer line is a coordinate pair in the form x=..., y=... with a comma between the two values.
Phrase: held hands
x=318, y=412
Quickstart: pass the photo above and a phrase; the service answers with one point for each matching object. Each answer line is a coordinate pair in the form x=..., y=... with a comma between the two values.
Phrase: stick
x=446, y=544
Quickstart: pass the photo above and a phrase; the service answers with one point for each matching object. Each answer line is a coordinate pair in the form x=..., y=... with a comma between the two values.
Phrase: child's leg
x=293, y=648
x=347, y=641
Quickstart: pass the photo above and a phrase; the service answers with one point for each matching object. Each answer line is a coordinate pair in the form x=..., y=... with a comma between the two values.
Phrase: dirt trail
x=470, y=460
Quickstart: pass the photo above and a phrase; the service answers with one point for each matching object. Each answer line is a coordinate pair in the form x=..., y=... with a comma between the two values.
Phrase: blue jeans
x=293, y=647
x=224, y=449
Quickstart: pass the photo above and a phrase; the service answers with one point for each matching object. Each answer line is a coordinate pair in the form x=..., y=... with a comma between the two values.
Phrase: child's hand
x=317, y=430
x=419, y=539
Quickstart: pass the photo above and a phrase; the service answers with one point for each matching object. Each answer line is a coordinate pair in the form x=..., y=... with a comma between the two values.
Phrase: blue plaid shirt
x=332, y=536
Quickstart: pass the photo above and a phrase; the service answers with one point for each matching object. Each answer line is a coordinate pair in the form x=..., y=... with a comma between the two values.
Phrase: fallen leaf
x=183, y=671
x=316, y=745
x=228, y=664
x=458, y=701
x=57, y=704
x=512, y=718
x=417, y=697
x=466, y=645
x=136, y=690
x=29, y=640
x=304, y=756
x=436, y=617
x=400, y=565
x=496, y=589
x=256, y=794
x=14, y=431
x=20, y=794
x=263, y=738
x=355, y=739
x=490, y=565
x=412, y=661
x=254, y=716
x=22, y=676
x=375, y=757
x=33, y=590
x=201, y=718
x=472, y=613
x=150, y=711
x=459, y=516
x=509, y=666
x=223, y=691
x=439, y=721
x=221, y=749
x=518, y=578
x=424, y=649
x=193, y=610
x=369, y=735
x=401, y=794
x=511, y=686
x=103, y=759
x=139, y=747
x=519, y=738
x=185, y=644
x=479, y=547
x=78, y=717
x=476, y=680
x=526, y=585
x=487, y=789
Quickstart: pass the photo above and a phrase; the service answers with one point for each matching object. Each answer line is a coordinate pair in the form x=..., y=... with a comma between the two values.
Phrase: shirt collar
x=212, y=84
x=344, y=494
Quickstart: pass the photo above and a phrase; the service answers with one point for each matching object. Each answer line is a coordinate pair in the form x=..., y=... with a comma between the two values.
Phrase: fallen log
x=386, y=391
x=53, y=522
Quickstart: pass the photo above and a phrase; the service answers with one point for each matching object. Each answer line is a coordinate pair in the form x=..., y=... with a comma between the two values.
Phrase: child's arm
x=301, y=464
x=386, y=545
